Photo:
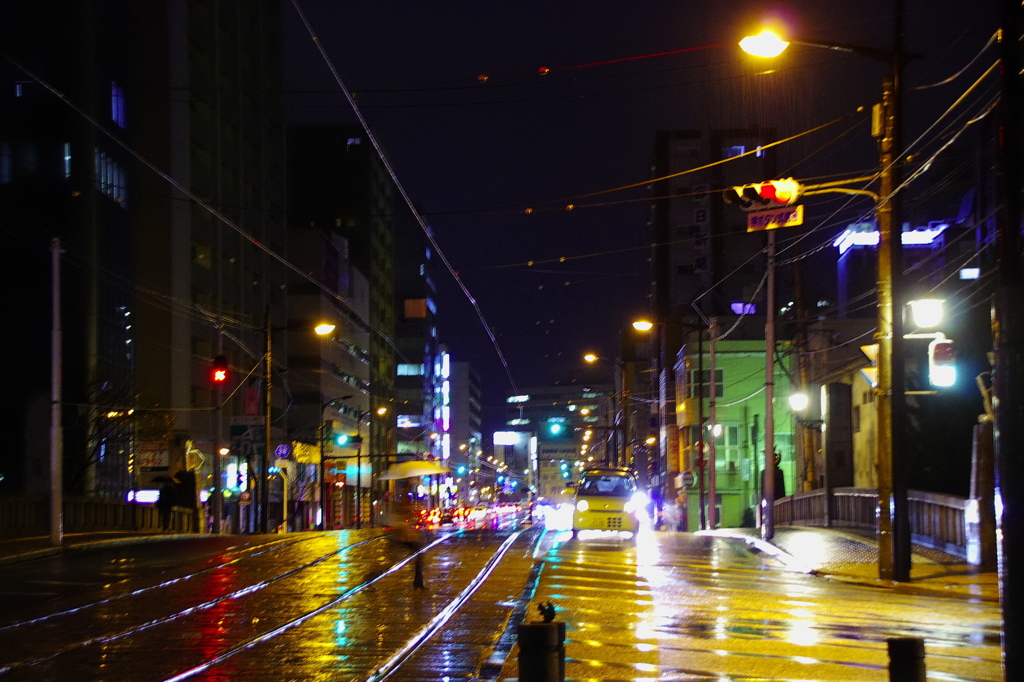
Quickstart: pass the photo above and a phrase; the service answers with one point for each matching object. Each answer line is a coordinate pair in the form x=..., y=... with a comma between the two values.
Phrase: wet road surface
x=342, y=606
x=680, y=607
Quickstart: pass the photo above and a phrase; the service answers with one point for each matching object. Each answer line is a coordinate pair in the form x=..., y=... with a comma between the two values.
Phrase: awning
x=413, y=469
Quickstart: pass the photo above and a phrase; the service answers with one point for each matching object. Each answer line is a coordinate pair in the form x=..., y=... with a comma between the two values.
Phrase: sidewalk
x=847, y=556
x=24, y=549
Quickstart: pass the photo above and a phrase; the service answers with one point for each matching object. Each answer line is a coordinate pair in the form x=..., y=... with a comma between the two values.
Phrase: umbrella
x=413, y=469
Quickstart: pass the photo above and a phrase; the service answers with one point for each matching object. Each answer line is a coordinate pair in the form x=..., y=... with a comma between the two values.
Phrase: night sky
x=474, y=153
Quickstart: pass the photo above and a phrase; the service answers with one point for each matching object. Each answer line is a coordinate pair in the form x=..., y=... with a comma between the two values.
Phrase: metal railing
x=30, y=516
x=935, y=520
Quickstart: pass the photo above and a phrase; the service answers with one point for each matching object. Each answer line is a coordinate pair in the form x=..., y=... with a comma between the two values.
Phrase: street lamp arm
x=887, y=56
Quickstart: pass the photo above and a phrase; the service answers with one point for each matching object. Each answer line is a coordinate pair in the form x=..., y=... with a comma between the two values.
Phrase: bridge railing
x=935, y=520
x=30, y=516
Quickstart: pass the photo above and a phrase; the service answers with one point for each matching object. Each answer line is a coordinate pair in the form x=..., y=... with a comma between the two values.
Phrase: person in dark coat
x=165, y=503
x=780, y=481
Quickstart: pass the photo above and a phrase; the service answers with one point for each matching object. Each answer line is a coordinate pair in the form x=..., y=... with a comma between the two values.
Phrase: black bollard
x=906, y=659
x=541, y=652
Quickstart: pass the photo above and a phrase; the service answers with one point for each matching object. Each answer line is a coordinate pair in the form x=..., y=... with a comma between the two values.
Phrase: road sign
x=689, y=480
x=787, y=216
x=245, y=497
x=283, y=450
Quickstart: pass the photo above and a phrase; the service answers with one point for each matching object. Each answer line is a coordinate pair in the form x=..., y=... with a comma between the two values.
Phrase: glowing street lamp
x=893, y=523
x=927, y=312
x=767, y=44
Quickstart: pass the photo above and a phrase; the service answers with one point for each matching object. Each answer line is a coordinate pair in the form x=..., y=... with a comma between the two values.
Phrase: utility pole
x=803, y=366
x=217, y=506
x=56, y=430
x=264, y=478
x=712, y=452
x=1008, y=333
x=701, y=463
x=893, y=517
x=768, y=512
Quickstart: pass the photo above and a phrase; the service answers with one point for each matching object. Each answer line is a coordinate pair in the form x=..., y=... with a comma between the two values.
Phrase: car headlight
x=582, y=506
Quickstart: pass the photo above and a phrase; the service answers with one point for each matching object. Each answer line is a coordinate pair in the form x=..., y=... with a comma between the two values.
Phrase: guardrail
x=30, y=516
x=935, y=520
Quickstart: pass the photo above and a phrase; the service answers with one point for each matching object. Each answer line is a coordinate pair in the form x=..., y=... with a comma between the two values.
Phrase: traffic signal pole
x=1008, y=333
x=264, y=475
x=217, y=508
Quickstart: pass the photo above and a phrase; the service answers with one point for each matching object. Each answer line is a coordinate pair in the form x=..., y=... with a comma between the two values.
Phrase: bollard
x=906, y=659
x=541, y=652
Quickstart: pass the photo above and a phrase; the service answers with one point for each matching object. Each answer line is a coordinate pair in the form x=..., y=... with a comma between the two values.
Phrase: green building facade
x=738, y=429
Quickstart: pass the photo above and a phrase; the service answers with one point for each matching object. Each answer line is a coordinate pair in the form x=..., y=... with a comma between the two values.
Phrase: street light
x=323, y=456
x=645, y=325
x=893, y=517
x=620, y=450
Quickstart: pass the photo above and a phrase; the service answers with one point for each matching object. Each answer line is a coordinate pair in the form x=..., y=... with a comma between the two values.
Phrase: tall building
x=704, y=262
x=424, y=363
x=341, y=213
x=162, y=172
x=466, y=436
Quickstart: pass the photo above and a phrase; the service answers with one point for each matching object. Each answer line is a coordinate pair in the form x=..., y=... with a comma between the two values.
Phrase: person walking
x=165, y=504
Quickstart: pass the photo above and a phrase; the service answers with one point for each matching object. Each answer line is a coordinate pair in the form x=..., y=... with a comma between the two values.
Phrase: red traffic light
x=760, y=194
x=219, y=373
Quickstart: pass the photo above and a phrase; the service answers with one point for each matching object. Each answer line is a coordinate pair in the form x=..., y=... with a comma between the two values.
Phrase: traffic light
x=344, y=440
x=219, y=372
x=941, y=363
x=764, y=194
x=557, y=429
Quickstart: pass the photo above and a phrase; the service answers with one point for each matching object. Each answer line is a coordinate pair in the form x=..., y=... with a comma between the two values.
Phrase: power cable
x=401, y=189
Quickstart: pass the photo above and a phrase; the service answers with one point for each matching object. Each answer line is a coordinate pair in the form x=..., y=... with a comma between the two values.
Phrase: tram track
x=254, y=613
x=243, y=554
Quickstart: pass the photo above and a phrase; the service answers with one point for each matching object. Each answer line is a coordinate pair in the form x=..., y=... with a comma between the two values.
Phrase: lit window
x=741, y=308
x=734, y=150
x=117, y=104
x=67, y=159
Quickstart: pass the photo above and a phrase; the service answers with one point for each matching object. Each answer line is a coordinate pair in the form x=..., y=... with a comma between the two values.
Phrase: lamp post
x=323, y=456
x=622, y=449
x=893, y=518
x=644, y=325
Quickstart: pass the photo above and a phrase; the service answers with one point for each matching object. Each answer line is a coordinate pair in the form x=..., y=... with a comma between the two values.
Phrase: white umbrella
x=413, y=469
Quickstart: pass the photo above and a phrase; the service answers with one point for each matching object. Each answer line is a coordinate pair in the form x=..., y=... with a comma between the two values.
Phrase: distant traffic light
x=941, y=363
x=764, y=194
x=219, y=372
x=557, y=430
x=344, y=440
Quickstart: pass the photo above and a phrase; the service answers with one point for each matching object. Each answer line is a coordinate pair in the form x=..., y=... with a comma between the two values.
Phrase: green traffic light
x=341, y=439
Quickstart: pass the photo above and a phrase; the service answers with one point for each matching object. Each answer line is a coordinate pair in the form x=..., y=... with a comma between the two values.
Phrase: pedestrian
x=165, y=504
x=404, y=524
x=779, y=490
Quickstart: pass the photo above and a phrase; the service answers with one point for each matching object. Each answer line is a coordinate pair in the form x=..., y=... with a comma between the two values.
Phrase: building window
x=734, y=150
x=410, y=370
x=117, y=104
x=5, y=163
x=694, y=389
x=110, y=178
